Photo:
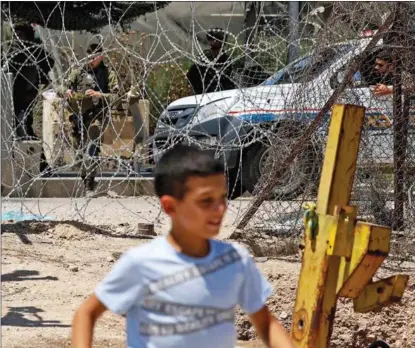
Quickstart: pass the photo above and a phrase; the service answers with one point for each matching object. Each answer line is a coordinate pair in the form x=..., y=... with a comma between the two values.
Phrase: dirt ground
x=49, y=268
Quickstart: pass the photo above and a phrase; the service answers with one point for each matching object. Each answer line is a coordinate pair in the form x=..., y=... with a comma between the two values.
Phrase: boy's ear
x=168, y=203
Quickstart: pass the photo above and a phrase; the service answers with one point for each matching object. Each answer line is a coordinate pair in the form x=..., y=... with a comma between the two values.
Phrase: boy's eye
x=207, y=201
x=210, y=201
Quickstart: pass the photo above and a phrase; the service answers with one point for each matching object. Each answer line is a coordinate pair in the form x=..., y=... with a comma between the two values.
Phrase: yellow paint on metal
x=381, y=293
x=340, y=158
x=371, y=247
x=317, y=288
x=341, y=235
x=340, y=255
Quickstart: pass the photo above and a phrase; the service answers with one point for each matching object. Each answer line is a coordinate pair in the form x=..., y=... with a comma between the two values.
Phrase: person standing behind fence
x=385, y=67
x=99, y=83
x=215, y=74
x=30, y=64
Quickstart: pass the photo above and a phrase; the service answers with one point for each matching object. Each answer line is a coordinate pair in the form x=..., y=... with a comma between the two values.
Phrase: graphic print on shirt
x=198, y=317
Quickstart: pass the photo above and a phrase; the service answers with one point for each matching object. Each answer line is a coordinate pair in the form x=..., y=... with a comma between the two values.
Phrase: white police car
x=241, y=124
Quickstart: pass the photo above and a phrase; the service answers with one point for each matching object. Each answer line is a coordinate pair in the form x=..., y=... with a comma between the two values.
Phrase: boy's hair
x=179, y=164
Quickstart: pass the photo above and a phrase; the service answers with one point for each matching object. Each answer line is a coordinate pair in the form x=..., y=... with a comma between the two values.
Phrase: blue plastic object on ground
x=21, y=216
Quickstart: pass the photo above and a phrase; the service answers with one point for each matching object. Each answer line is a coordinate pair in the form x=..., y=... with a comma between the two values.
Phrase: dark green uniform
x=88, y=125
x=30, y=65
x=213, y=76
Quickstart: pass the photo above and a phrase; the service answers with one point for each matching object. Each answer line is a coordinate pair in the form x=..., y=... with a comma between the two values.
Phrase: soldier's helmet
x=217, y=34
x=26, y=29
x=95, y=49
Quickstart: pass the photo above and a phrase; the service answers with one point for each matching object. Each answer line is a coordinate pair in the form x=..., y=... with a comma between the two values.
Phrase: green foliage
x=38, y=116
x=7, y=33
x=160, y=83
x=273, y=55
x=124, y=59
x=165, y=84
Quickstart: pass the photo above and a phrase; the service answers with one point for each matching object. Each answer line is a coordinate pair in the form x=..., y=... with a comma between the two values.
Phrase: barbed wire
x=266, y=117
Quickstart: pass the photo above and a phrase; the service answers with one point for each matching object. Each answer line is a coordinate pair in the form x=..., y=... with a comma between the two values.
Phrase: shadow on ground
x=24, y=228
x=19, y=316
x=23, y=275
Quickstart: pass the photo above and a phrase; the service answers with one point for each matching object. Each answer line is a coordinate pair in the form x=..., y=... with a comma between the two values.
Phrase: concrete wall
x=7, y=176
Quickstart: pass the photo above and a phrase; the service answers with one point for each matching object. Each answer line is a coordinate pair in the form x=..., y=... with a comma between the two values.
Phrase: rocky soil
x=49, y=268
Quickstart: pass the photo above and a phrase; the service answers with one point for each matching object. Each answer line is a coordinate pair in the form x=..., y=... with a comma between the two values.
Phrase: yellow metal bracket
x=341, y=255
x=381, y=293
x=370, y=248
x=341, y=234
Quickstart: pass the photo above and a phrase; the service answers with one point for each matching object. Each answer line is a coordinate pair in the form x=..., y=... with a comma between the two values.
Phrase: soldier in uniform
x=215, y=75
x=30, y=65
x=100, y=84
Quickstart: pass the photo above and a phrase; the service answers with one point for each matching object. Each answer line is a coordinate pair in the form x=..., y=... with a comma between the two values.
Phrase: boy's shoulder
x=148, y=250
x=224, y=246
x=159, y=248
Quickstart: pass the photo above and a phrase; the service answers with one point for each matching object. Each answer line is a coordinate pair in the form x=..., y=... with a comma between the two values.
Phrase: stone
x=120, y=230
x=112, y=194
x=74, y=269
x=146, y=229
x=237, y=234
x=116, y=255
x=284, y=315
x=261, y=259
x=361, y=330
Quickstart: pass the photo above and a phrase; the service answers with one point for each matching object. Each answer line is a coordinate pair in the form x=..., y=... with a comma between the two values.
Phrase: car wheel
x=235, y=187
x=303, y=172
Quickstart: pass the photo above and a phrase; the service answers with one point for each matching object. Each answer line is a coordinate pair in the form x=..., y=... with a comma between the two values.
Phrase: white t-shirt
x=173, y=300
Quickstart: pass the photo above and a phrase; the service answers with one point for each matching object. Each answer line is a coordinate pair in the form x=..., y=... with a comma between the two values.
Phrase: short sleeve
x=255, y=288
x=120, y=289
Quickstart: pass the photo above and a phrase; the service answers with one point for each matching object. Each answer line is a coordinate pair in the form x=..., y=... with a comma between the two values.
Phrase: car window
x=308, y=67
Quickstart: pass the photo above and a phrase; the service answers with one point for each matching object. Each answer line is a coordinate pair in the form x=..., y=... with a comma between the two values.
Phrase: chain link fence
x=265, y=115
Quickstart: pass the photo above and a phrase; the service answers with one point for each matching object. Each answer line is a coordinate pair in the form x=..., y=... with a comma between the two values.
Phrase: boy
x=181, y=290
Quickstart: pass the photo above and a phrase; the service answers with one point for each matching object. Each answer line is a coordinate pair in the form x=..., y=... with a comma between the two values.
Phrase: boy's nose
x=220, y=208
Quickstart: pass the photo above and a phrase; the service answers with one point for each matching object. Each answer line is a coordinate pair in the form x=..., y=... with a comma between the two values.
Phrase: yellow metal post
x=339, y=257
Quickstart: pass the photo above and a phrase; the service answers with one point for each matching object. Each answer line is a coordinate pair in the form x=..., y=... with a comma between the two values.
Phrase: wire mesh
x=265, y=116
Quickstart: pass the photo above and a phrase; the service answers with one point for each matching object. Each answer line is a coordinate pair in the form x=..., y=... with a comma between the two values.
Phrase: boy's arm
x=118, y=292
x=254, y=293
x=84, y=322
x=270, y=330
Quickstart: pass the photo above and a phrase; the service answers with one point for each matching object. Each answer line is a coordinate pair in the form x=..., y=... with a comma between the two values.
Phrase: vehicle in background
x=248, y=127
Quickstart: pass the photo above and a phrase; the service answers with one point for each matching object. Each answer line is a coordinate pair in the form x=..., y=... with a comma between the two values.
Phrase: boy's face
x=202, y=208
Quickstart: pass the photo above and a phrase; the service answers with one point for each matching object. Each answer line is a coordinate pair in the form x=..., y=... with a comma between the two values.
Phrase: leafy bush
x=38, y=116
x=165, y=84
